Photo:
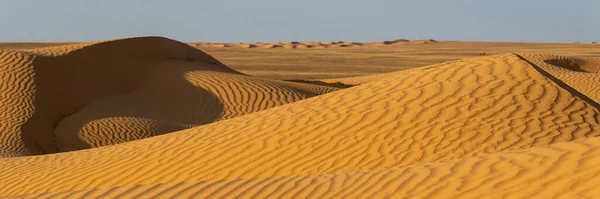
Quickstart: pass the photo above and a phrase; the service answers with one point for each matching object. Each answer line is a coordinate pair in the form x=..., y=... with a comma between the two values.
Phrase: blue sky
x=301, y=20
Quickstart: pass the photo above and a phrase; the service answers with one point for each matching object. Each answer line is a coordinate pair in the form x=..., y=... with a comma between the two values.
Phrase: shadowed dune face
x=64, y=84
x=161, y=102
x=580, y=65
x=89, y=95
x=67, y=83
x=566, y=63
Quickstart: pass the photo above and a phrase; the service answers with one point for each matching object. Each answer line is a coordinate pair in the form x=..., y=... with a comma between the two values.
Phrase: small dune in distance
x=151, y=117
x=317, y=45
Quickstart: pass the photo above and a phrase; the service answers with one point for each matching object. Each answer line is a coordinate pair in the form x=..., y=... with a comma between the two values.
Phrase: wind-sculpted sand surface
x=88, y=95
x=509, y=125
x=564, y=170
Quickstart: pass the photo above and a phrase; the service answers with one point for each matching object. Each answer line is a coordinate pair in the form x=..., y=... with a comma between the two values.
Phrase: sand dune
x=444, y=130
x=96, y=94
x=564, y=170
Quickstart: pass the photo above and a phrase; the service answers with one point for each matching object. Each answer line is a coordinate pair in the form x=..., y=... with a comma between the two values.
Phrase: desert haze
x=151, y=117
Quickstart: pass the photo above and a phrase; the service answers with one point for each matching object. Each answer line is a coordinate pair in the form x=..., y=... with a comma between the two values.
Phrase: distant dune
x=501, y=126
x=304, y=45
x=569, y=168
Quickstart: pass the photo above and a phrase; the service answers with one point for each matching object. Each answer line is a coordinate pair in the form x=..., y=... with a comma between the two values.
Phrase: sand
x=508, y=125
x=564, y=170
x=79, y=96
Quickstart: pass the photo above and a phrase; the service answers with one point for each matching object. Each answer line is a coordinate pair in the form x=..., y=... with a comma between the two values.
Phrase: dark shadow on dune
x=66, y=84
x=395, y=41
x=167, y=100
x=566, y=63
x=321, y=83
x=590, y=65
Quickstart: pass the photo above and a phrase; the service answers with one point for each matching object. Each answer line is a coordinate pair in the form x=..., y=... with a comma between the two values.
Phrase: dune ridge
x=455, y=113
x=78, y=96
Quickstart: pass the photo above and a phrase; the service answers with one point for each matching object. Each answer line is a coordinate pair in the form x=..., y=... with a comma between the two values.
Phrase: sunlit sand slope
x=96, y=94
x=564, y=170
x=451, y=111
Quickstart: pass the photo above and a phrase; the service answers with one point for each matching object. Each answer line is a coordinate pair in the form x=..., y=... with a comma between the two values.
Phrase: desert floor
x=370, y=58
x=152, y=117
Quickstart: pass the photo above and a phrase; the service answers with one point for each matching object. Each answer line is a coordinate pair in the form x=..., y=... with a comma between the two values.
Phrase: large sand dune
x=95, y=94
x=509, y=125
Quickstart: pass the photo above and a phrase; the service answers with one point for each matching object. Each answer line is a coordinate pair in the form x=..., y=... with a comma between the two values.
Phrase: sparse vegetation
x=395, y=41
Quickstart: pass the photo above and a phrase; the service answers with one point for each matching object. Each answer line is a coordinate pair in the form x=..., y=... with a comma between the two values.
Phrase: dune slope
x=446, y=112
x=563, y=170
x=86, y=95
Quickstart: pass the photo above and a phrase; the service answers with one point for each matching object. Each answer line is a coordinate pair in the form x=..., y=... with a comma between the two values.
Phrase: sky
x=301, y=20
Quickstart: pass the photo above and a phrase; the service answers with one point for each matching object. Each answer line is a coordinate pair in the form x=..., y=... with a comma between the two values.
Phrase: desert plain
x=151, y=117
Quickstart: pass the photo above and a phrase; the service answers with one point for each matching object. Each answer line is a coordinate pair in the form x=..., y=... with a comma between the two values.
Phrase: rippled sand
x=508, y=125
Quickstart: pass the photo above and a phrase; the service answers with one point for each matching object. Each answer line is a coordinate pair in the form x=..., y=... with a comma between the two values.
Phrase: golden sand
x=509, y=125
x=79, y=96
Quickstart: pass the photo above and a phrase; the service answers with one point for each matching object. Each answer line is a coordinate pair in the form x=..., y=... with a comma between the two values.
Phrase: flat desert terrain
x=152, y=117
